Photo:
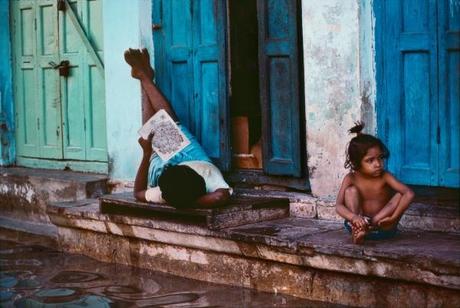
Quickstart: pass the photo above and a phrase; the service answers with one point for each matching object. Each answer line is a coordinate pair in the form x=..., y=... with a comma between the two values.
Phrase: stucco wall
x=126, y=24
x=6, y=94
x=339, y=86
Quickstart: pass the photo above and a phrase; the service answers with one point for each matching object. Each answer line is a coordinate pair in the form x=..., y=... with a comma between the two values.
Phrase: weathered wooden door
x=191, y=69
x=279, y=68
x=58, y=117
x=419, y=109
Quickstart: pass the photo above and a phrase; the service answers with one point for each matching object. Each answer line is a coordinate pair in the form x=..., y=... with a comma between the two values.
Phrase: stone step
x=23, y=231
x=239, y=211
x=309, y=258
x=25, y=193
x=434, y=209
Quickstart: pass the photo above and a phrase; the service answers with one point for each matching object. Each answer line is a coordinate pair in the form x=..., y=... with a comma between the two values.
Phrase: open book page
x=168, y=139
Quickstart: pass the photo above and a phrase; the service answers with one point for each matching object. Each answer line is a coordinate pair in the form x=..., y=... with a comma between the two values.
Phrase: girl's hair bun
x=357, y=128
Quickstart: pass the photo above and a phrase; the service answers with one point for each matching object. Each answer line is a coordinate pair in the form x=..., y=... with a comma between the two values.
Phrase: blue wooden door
x=418, y=112
x=449, y=92
x=191, y=70
x=279, y=86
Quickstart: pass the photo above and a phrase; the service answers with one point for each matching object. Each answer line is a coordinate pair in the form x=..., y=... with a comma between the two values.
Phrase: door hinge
x=35, y=24
x=438, y=135
x=84, y=125
x=38, y=124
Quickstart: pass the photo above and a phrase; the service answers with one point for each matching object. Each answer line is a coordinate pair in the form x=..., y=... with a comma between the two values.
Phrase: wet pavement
x=33, y=276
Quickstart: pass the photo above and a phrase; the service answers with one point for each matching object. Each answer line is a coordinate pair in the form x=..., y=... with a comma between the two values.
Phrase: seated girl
x=370, y=198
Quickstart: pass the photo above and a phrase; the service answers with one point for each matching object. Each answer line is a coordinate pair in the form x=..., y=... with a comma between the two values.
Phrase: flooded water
x=33, y=276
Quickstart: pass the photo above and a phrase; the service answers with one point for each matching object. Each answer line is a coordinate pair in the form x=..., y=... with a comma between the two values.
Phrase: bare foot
x=139, y=60
x=358, y=234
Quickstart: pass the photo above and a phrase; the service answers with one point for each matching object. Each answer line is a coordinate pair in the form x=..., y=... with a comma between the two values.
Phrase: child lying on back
x=370, y=199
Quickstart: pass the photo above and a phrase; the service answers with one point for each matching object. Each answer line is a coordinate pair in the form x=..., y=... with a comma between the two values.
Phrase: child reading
x=188, y=178
x=370, y=199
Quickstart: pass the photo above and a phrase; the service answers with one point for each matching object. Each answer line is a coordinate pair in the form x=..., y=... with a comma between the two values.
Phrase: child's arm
x=216, y=198
x=407, y=195
x=342, y=210
x=140, y=183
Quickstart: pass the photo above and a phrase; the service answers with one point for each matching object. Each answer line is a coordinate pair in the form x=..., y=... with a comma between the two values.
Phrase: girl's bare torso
x=374, y=192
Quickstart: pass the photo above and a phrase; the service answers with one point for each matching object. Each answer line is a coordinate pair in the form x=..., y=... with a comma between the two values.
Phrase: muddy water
x=33, y=276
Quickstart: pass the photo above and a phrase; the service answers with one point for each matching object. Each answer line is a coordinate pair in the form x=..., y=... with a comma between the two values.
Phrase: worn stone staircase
x=251, y=243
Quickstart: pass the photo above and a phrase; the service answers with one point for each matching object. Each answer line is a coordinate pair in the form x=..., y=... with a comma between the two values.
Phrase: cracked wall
x=339, y=85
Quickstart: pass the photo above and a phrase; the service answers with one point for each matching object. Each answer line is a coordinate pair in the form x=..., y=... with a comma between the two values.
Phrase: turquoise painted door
x=58, y=117
x=191, y=70
x=279, y=86
x=419, y=109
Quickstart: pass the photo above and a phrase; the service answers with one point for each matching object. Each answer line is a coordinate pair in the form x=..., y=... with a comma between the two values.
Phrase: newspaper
x=168, y=139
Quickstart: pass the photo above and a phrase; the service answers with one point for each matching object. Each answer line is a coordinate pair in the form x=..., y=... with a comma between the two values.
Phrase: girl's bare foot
x=358, y=234
x=139, y=60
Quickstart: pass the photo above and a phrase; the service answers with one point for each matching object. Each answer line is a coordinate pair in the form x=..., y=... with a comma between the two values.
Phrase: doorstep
x=240, y=210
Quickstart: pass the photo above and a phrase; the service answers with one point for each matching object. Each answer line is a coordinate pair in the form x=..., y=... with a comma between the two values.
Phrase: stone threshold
x=239, y=211
x=284, y=255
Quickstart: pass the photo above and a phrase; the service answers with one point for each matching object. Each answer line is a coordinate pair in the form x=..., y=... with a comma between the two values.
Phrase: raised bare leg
x=139, y=60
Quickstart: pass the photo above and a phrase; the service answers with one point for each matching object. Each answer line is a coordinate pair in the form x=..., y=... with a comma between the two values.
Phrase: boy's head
x=359, y=145
x=181, y=186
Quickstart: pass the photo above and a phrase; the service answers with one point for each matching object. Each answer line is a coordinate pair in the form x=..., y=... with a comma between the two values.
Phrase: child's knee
x=351, y=191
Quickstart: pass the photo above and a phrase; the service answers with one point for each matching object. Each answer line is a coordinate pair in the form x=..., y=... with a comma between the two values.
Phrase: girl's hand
x=146, y=145
x=359, y=221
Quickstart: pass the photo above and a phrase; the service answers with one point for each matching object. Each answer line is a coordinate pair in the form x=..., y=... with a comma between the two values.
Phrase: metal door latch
x=63, y=67
x=61, y=5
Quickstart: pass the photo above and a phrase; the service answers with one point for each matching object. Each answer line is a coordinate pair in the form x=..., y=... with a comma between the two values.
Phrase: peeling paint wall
x=339, y=85
x=6, y=91
x=123, y=93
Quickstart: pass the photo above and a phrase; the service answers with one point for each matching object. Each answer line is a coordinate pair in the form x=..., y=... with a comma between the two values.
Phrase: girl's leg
x=139, y=60
x=353, y=203
x=353, y=200
x=147, y=110
x=388, y=209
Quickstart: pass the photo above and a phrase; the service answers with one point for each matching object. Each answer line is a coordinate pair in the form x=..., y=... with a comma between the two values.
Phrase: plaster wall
x=339, y=85
x=6, y=94
x=126, y=25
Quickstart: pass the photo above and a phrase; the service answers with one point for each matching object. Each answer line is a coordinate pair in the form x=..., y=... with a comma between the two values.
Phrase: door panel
x=83, y=91
x=210, y=79
x=411, y=77
x=25, y=104
x=279, y=86
x=49, y=113
x=72, y=87
x=449, y=94
x=190, y=65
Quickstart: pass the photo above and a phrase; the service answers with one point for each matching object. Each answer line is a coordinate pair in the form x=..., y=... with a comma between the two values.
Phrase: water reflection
x=32, y=276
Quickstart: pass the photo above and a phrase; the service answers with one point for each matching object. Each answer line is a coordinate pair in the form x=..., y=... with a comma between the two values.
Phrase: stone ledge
x=240, y=210
x=428, y=258
x=423, y=214
x=25, y=193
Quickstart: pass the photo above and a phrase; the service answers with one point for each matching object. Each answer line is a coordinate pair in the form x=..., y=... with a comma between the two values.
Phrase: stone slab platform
x=25, y=193
x=240, y=210
x=308, y=258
